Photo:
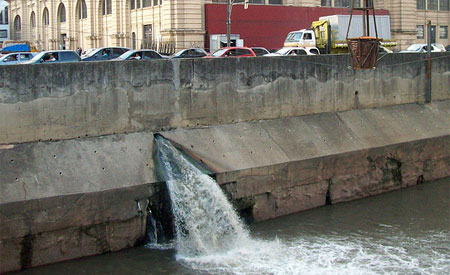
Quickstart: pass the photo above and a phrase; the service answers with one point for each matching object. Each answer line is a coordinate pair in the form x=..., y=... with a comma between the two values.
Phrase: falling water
x=211, y=239
x=205, y=221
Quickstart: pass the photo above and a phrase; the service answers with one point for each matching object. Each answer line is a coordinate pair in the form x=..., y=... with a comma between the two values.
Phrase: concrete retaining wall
x=77, y=193
x=63, y=101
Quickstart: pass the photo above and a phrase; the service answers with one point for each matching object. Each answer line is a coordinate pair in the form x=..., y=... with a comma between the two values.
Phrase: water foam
x=210, y=238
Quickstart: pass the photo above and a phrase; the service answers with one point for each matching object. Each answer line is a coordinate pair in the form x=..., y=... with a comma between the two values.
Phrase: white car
x=286, y=51
x=421, y=48
x=16, y=58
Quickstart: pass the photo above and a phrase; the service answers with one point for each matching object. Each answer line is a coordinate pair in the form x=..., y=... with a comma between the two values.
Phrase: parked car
x=260, y=51
x=232, y=52
x=190, y=53
x=16, y=58
x=140, y=55
x=420, y=48
x=54, y=57
x=447, y=48
x=440, y=47
x=105, y=53
x=295, y=51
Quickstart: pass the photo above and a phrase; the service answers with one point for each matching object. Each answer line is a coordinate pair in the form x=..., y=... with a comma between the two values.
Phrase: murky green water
x=402, y=232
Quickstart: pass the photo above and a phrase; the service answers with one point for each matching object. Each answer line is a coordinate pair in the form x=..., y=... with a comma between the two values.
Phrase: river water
x=402, y=232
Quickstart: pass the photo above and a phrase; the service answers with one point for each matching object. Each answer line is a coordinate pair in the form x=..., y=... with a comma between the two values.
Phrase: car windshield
x=91, y=53
x=88, y=51
x=126, y=55
x=283, y=51
x=219, y=52
x=414, y=47
x=38, y=56
x=179, y=53
x=294, y=37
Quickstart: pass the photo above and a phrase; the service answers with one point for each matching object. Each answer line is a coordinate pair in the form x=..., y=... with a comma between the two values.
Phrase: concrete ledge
x=268, y=168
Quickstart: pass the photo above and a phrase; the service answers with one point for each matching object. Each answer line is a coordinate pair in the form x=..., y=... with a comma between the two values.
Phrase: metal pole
x=364, y=18
x=428, y=72
x=228, y=22
x=367, y=18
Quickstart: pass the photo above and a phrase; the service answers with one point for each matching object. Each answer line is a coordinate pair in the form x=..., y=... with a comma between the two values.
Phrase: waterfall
x=205, y=222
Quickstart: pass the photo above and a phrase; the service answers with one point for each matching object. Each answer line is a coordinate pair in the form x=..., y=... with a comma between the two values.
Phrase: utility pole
x=229, y=7
x=428, y=72
x=230, y=4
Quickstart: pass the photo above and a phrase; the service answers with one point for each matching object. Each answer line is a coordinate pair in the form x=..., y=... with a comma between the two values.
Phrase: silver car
x=16, y=58
x=54, y=57
x=140, y=55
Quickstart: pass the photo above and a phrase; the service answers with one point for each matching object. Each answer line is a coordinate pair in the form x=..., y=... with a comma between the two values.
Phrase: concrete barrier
x=281, y=135
x=64, y=101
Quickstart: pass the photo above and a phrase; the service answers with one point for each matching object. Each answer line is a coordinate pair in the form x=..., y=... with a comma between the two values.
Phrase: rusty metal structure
x=364, y=49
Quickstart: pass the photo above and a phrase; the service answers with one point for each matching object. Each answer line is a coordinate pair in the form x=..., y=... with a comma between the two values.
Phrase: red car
x=232, y=52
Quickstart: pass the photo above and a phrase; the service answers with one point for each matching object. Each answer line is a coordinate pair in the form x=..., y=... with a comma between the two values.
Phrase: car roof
x=232, y=48
x=59, y=51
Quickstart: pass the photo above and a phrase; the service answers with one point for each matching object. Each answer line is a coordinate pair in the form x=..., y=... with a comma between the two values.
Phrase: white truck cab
x=301, y=38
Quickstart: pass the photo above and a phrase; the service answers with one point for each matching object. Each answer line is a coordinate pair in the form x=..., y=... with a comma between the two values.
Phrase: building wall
x=4, y=23
x=184, y=22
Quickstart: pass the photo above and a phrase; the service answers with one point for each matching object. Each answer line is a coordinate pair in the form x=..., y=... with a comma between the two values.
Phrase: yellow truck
x=329, y=33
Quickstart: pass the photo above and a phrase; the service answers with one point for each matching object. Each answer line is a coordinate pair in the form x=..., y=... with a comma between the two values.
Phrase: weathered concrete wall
x=281, y=134
x=63, y=101
x=272, y=168
x=287, y=165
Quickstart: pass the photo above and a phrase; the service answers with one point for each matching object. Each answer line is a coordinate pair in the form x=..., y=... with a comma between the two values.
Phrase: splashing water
x=205, y=222
x=210, y=238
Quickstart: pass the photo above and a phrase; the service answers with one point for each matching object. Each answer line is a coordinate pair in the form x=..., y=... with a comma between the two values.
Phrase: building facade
x=68, y=24
x=4, y=21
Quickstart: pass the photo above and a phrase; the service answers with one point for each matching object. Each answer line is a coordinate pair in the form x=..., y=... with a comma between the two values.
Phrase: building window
x=82, y=9
x=342, y=3
x=275, y=2
x=146, y=3
x=443, y=32
x=147, y=37
x=138, y=4
x=33, y=20
x=3, y=34
x=420, y=32
x=17, y=27
x=4, y=16
x=444, y=5
x=133, y=4
x=106, y=7
x=325, y=3
x=62, y=13
x=432, y=5
x=420, y=4
x=46, y=18
x=155, y=2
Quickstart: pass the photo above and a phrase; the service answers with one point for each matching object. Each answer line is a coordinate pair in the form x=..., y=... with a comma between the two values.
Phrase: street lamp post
x=229, y=7
x=230, y=4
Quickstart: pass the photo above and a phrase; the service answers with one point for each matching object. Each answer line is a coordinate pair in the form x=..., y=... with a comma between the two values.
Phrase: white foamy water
x=210, y=238
x=330, y=255
x=205, y=222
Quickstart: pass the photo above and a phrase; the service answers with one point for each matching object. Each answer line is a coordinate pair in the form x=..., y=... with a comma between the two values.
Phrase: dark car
x=54, y=57
x=447, y=48
x=232, y=52
x=140, y=55
x=105, y=53
x=190, y=53
x=260, y=51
